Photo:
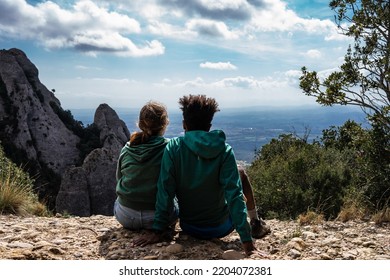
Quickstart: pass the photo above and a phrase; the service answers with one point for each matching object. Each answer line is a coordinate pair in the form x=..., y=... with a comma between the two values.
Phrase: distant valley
x=249, y=129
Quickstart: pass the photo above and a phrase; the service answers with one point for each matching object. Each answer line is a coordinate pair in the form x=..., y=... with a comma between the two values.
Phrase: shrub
x=369, y=151
x=16, y=190
x=291, y=177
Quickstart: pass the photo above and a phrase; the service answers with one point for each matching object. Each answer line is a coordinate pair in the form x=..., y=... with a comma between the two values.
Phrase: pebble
x=232, y=255
x=174, y=248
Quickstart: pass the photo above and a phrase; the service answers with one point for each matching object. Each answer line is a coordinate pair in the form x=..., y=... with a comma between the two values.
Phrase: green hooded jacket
x=201, y=170
x=137, y=173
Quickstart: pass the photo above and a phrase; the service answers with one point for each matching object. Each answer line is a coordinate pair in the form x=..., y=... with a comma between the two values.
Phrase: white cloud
x=218, y=65
x=223, y=4
x=277, y=17
x=85, y=27
x=313, y=54
x=239, y=82
x=83, y=67
x=168, y=30
x=198, y=82
x=293, y=73
x=211, y=28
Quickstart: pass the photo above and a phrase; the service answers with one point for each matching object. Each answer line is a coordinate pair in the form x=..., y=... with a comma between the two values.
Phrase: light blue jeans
x=138, y=219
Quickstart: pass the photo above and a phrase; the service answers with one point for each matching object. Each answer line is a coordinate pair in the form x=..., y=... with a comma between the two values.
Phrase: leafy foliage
x=290, y=177
x=364, y=77
x=371, y=158
x=362, y=80
x=345, y=175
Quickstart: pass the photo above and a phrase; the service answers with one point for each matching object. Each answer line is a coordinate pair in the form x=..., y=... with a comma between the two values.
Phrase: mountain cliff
x=39, y=135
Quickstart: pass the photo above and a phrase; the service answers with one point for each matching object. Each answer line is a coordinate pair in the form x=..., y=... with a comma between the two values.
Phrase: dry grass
x=382, y=216
x=351, y=212
x=16, y=191
x=354, y=207
x=310, y=218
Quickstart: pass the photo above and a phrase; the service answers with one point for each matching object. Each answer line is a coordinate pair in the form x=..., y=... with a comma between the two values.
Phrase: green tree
x=364, y=77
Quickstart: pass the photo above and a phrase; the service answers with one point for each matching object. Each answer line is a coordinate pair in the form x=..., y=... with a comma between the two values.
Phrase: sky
x=123, y=53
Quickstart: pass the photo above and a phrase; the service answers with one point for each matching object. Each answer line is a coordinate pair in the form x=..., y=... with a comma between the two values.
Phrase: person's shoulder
x=174, y=142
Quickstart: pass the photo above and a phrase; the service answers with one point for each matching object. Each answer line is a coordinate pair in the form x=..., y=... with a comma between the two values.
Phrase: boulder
x=73, y=197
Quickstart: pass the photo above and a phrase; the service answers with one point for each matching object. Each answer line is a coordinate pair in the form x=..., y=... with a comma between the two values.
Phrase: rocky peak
x=109, y=124
x=29, y=122
x=37, y=133
x=90, y=189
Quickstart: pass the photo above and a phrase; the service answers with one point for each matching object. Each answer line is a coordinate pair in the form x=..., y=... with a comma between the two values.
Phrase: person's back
x=138, y=169
x=206, y=180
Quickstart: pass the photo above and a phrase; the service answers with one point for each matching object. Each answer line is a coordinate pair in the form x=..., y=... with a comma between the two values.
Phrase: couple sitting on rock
x=193, y=178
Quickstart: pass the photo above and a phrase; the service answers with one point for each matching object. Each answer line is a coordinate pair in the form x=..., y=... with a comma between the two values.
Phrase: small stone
x=297, y=243
x=369, y=244
x=308, y=235
x=348, y=256
x=174, y=248
x=232, y=255
x=324, y=256
x=294, y=253
x=20, y=245
x=56, y=251
x=58, y=241
x=150, y=257
x=102, y=229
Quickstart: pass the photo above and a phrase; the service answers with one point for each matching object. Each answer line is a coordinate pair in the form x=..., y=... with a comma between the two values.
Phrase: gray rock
x=113, y=131
x=33, y=125
x=73, y=197
x=33, y=121
x=97, y=174
x=100, y=166
x=294, y=254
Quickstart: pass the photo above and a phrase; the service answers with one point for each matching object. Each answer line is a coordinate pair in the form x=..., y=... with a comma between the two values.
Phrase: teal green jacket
x=137, y=173
x=201, y=170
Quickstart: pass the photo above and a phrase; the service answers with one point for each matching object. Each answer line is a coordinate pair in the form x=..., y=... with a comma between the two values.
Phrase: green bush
x=370, y=153
x=348, y=169
x=291, y=177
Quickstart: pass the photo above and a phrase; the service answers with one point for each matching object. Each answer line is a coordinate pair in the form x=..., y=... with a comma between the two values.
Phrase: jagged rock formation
x=27, y=116
x=90, y=189
x=37, y=133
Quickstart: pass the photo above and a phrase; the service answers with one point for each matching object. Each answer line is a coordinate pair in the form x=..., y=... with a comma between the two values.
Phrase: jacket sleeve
x=230, y=181
x=165, y=192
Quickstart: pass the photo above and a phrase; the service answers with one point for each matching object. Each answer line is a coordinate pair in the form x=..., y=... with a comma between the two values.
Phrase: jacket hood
x=144, y=152
x=205, y=144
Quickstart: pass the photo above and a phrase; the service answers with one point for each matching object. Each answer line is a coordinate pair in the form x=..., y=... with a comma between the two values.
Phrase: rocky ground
x=101, y=237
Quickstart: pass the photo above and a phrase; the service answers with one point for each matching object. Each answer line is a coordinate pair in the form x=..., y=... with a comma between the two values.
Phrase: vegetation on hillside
x=16, y=190
x=347, y=173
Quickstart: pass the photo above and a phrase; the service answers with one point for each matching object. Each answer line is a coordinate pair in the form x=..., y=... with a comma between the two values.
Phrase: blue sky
x=125, y=53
